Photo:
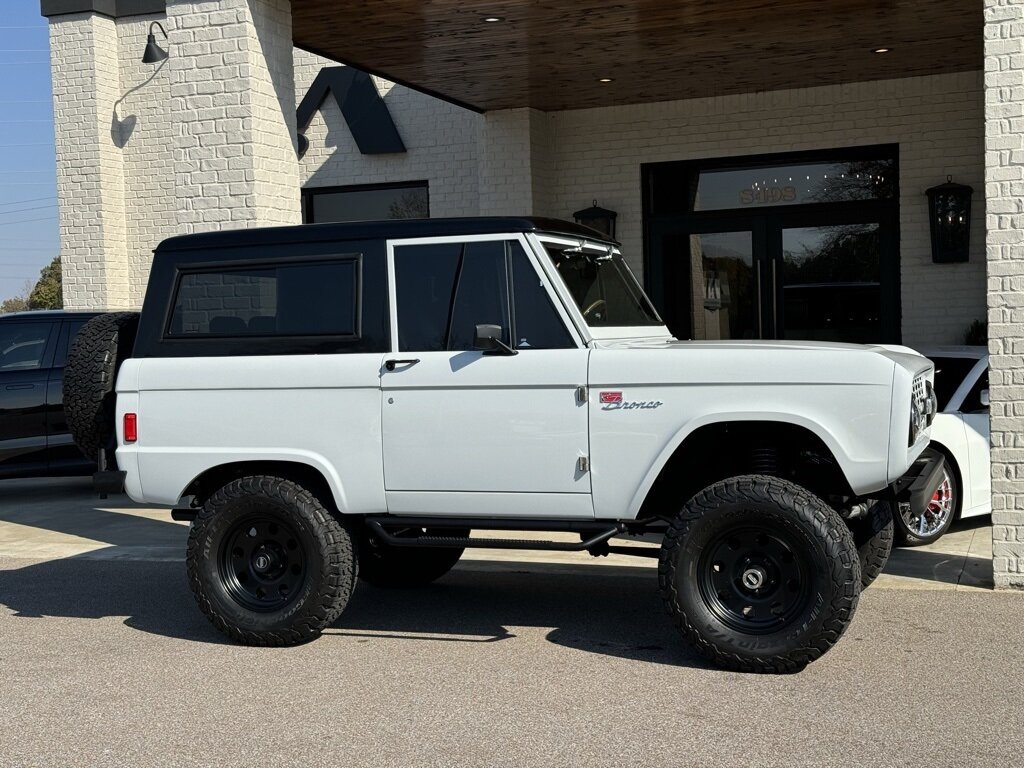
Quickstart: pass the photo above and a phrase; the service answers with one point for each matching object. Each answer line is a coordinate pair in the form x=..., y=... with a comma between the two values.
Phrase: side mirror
x=488, y=339
x=984, y=397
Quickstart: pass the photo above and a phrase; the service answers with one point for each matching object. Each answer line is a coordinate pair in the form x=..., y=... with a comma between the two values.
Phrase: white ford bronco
x=329, y=403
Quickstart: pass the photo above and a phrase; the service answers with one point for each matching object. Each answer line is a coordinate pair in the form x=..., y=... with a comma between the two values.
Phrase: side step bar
x=599, y=533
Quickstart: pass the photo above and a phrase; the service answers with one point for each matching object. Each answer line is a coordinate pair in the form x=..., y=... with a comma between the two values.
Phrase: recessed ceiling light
x=492, y=19
x=604, y=79
x=880, y=50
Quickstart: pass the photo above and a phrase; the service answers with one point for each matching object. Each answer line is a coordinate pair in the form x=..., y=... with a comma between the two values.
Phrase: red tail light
x=131, y=427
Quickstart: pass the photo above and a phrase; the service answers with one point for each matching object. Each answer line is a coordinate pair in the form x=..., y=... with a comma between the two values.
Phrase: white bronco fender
x=844, y=397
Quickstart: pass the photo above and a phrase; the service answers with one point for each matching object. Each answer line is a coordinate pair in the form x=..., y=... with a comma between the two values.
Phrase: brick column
x=233, y=114
x=515, y=163
x=1004, y=197
x=90, y=174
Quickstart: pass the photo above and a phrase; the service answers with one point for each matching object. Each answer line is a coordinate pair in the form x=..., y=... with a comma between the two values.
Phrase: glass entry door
x=802, y=246
x=726, y=301
x=829, y=283
x=778, y=278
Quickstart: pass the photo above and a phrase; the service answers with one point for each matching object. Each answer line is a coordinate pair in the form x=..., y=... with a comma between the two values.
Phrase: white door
x=474, y=433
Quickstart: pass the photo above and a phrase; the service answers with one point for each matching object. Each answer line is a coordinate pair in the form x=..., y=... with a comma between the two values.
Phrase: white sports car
x=961, y=434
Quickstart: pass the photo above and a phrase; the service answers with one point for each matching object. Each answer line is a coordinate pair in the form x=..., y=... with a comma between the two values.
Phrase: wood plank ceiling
x=552, y=55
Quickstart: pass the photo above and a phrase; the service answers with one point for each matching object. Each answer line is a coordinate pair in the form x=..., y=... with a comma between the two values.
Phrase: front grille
x=920, y=394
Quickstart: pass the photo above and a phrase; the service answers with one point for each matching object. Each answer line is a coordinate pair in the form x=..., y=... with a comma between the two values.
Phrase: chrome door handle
x=390, y=364
x=10, y=387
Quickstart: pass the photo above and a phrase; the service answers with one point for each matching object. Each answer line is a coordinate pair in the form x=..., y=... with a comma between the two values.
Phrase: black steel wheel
x=755, y=579
x=759, y=574
x=262, y=565
x=268, y=563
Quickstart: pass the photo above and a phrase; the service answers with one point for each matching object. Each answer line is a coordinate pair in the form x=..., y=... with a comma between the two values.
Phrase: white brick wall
x=1004, y=177
x=937, y=121
x=232, y=92
x=90, y=191
x=440, y=139
x=142, y=131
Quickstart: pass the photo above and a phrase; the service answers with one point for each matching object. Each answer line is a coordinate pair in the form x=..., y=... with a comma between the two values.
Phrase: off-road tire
x=325, y=543
x=403, y=567
x=873, y=536
x=820, y=543
x=90, y=374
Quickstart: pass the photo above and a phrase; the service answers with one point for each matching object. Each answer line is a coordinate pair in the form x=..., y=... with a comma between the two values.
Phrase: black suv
x=34, y=438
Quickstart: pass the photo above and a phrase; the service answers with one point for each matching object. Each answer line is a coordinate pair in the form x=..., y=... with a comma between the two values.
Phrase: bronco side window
x=445, y=290
x=304, y=299
x=537, y=323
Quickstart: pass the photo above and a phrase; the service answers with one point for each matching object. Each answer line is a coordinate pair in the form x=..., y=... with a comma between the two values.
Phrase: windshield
x=602, y=286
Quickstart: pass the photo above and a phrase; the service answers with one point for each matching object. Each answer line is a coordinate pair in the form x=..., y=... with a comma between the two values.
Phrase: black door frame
x=766, y=225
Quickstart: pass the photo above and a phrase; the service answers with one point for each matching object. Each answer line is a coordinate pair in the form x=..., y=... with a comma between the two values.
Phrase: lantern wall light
x=949, y=211
x=597, y=218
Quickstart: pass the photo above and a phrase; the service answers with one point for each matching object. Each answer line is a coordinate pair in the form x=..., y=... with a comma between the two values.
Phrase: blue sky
x=28, y=187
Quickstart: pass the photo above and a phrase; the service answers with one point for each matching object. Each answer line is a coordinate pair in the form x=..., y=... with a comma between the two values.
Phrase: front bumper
x=919, y=484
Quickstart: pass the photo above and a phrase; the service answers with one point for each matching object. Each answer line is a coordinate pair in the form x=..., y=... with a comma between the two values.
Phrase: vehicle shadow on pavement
x=925, y=565
x=153, y=596
x=601, y=609
x=595, y=609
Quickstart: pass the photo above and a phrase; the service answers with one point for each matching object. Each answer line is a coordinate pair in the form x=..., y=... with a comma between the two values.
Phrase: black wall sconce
x=154, y=52
x=949, y=210
x=597, y=218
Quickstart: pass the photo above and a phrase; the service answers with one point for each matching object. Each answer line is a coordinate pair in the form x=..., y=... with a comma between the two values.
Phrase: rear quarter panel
x=194, y=415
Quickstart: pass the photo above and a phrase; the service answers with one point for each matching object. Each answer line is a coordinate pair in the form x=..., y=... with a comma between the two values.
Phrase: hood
x=796, y=362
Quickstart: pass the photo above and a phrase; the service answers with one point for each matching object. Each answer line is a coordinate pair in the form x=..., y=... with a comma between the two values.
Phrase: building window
x=368, y=202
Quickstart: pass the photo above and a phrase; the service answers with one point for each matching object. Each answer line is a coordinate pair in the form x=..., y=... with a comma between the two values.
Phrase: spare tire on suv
x=90, y=374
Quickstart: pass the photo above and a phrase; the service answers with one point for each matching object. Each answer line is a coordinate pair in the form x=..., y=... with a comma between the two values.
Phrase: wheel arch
x=694, y=459
x=305, y=474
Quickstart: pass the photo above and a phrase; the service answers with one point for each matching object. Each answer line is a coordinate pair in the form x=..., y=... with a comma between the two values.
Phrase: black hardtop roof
x=369, y=230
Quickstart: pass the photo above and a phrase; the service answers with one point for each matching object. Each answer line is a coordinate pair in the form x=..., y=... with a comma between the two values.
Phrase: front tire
x=268, y=564
x=873, y=536
x=759, y=575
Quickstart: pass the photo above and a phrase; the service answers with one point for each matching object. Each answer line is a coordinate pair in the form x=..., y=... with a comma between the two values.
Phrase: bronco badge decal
x=613, y=401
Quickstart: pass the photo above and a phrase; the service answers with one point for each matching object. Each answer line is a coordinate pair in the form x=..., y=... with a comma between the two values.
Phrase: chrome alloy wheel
x=936, y=515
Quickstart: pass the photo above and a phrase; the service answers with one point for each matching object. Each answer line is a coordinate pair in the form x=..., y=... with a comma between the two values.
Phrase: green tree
x=17, y=303
x=13, y=304
x=47, y=293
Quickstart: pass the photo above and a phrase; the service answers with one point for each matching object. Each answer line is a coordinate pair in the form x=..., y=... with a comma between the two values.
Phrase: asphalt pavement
x=105, y=660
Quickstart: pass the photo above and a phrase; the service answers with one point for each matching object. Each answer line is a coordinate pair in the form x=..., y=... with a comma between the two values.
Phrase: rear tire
x=403, y=567
x=759, y=574
x=90, y=375
x=268, y=563
x=873, y=536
